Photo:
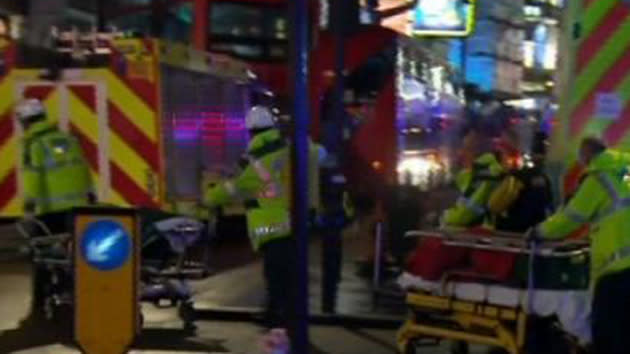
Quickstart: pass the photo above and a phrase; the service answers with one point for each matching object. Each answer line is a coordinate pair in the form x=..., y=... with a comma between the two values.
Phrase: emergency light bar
x=85, y=43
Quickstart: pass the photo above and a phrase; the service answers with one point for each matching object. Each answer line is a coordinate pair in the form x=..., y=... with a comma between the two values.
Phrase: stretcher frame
x=446, y=318
x=54, y=252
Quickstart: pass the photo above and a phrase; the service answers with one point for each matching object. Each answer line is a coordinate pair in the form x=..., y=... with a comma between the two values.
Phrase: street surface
x=238, y=283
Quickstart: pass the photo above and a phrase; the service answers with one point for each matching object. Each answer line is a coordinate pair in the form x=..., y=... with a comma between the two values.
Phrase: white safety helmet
x=259, y=117
x=29, y=109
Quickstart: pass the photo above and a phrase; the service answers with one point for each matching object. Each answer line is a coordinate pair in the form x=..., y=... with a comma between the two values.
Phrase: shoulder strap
x=606, y=182
x=618, y=202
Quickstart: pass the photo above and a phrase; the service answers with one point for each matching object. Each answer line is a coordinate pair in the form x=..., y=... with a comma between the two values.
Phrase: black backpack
x=532, y=204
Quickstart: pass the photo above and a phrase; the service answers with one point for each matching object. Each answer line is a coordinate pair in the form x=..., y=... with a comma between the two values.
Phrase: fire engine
x=156, y=120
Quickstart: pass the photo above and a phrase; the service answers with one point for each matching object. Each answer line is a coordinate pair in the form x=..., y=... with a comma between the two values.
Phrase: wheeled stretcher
x=469, y=308
x=167, y=262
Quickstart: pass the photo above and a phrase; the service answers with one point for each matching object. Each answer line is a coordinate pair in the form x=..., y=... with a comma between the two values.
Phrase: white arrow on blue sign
x=106, y=245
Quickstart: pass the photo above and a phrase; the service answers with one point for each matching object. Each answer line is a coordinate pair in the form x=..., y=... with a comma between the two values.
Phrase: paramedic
x=56, y=178
x=532, y=201
x=481, y=174
x=603, y=200
x=263, y=185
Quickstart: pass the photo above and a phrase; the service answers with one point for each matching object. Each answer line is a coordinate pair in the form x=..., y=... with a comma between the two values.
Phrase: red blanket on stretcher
x=432, y=259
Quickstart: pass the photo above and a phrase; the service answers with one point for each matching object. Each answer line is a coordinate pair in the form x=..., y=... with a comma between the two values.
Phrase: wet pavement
x=238, y=283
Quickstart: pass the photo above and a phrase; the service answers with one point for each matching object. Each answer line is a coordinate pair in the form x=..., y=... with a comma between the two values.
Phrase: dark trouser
x=331, y=268
x=279, y=271
x=611, y=314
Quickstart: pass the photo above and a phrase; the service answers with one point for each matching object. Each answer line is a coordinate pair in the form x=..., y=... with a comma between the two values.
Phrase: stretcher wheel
x=411, y=347
x=60, y=315
x=459, y=347
x=187, y=314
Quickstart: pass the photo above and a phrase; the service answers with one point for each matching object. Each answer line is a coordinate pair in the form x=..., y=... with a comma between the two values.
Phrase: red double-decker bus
x=257, y=31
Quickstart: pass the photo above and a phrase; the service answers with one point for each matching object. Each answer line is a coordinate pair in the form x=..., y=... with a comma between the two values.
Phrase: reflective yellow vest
x=603, y=201
x=56, y=176
x=475, y=185
x=265, y=185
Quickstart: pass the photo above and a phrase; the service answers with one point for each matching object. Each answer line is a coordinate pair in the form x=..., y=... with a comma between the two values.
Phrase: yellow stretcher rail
x=446, y=318
x=466, y=321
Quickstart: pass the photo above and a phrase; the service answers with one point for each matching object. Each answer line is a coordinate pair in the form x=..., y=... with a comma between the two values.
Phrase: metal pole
x=378, y=261
x=299, y=22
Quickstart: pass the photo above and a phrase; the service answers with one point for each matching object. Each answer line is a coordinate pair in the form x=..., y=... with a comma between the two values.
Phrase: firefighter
x=263, y=186
x=481, y=174
x=603, y=200
x=56, y=178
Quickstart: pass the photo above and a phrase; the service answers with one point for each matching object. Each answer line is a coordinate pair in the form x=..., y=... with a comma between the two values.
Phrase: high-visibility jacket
x=264, y=186
x=603, y=200
x=56, y=176
x=572, y=180
x=475, y=184
x=265, y=141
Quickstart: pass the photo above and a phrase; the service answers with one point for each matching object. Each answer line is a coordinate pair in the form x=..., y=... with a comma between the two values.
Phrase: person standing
x=263, y=185
x=335, y=215
x=56, y=178
x=56, y=175
x=481, y=174
x=603, y=201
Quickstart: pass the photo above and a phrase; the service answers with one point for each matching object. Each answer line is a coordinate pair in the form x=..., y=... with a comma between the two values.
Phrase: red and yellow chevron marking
x=83, y=124
x=8, y=171
x=602, y=66
x=135, y=163
x=10, y=205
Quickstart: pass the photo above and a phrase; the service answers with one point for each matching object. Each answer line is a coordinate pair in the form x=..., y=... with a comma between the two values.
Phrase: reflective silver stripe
x=608, y=185
x=60, y=198
x=260, y=168
x=231, y=188
x=271, y=189
x=617, y=256
x=575, y=216
x=50, y=159
x=472, y=205
x=280, y=228
x=51, y=165
x=618, y=203
x=55, y=165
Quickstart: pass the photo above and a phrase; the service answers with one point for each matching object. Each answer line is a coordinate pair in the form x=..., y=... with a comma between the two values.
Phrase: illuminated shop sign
x=444, y=18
